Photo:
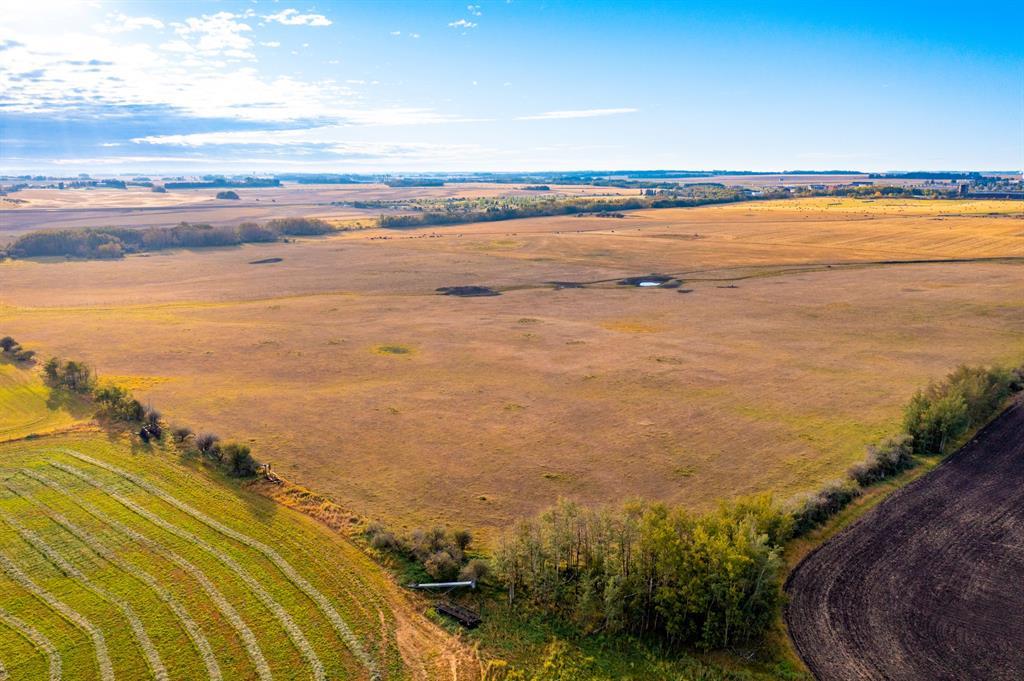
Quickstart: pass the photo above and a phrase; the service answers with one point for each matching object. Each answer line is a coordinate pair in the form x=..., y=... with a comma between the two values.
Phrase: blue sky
x=111, y=87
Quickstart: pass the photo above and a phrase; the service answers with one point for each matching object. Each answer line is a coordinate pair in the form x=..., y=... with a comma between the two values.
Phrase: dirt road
x=930, y=584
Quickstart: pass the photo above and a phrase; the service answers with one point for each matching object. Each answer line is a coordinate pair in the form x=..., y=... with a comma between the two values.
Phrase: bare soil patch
x=928, y=584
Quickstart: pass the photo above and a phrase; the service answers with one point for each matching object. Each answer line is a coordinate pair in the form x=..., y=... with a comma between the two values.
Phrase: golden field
x=809, y=324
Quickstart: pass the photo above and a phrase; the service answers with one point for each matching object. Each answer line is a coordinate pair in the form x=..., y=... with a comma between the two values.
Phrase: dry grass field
x=804, y=331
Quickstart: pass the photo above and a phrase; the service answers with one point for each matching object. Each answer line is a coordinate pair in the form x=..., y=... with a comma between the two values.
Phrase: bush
x=181, y=433
x=299, y=226
x=250, y=232
x=228, y=195
x=819, y=507
x=441, y=565
x=475, y=570
x=206, y=442
x=238, y=460
x=938, y=415
x=890, y=458
x=7, y=344
x=117, y=403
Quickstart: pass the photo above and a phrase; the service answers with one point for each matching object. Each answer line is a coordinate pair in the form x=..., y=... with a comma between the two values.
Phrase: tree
x=205, y=442
x=239, y=460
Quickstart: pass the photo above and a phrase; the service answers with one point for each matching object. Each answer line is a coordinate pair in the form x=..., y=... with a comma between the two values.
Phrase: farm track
x=928, y=584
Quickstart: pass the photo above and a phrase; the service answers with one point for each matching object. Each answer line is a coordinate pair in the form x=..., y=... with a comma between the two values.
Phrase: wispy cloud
x=292, y=17
x=121, y=23
x=461, y=23
x=474, y=10
x=576, y=113
x=271, y=43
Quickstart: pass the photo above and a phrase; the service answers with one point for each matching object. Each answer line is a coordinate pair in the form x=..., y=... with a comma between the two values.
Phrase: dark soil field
x=930, y=584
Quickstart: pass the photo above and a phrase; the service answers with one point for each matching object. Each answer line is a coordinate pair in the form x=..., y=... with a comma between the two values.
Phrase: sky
x=260, y=86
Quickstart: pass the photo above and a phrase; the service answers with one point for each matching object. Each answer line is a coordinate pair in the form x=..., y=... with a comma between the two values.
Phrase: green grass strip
x=37, y=639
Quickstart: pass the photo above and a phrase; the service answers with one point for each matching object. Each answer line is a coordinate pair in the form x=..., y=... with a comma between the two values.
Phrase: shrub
x=238, y=460
x=228, y=195
x=475, y=570
x=181, y=433
x=117, y=403
x=299, y=226
x=250, y=232
x=938, y=415
x=206, y=442
x=890, y=458
x=7, y=343
x=821, y=506
x=441, y=565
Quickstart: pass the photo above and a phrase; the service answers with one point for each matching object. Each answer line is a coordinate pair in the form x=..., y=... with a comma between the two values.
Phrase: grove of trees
x=115, y=242
x=705, y=580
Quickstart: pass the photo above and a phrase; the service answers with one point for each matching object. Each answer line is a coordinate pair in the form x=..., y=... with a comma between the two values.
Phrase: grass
x=128, y=561
x=28, y=407
x=773, y=386
x=325, y=619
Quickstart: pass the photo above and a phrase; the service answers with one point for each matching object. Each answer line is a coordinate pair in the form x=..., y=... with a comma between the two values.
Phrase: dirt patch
x=468, y=291
x=927, y=585
x=265, y=261
x=559, y=285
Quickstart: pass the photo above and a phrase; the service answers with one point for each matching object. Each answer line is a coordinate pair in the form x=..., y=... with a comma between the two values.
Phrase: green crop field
x=115, y=573
x=129, y=562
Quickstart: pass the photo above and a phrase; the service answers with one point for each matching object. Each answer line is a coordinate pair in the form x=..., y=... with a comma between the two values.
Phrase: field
x=926, y=585
x=140, y=207
x=120, y=561
x=806, y=325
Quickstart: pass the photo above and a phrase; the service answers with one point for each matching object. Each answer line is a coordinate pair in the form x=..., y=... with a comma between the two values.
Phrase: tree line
x=115, y=242
x=713, y=580
x=455, y=212
x=117, y=405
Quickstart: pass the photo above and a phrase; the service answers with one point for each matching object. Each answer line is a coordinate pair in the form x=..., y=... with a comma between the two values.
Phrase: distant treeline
x=221, y=183
x=415, y=182
x=697, y=195
x=923, y=175
x=884, y=191
x=115, y=242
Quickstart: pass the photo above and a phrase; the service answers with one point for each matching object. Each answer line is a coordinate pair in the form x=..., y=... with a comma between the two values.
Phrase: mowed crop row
x=104, y=574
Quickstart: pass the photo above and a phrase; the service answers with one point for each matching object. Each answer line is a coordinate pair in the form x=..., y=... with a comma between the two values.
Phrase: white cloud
x=414, y=35
x=271, y=43
x=291, y=17
x=396, y=33
x=578, y=113
x=461, y=23
x=215, y=35
x=474, y=10
x=122, y=23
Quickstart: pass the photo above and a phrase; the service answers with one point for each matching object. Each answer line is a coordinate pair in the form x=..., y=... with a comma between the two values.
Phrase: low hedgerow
x=891, y=457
